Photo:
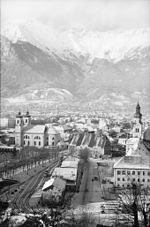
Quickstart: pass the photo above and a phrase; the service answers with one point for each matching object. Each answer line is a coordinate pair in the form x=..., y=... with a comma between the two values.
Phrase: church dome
x=146, y=136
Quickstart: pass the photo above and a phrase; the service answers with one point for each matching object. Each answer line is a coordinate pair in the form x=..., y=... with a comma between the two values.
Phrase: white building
x=135, y=166
x=39, y=136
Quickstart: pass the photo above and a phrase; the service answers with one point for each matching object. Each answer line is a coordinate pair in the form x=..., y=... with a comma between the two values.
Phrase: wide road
x=90, y=191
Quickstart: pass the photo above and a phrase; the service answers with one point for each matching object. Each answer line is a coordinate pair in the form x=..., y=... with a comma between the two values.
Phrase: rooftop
x=66, y=173
x=132, y=162
x=56, y=182
x=35, y=129
x=137, y=159
x=72, y=164
x=52, y=131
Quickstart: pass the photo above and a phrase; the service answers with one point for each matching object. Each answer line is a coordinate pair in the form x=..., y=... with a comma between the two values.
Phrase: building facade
x=134, y=167
x=39, y=136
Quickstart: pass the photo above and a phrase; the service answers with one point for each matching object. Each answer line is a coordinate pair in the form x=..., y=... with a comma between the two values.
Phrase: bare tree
x=133, y=201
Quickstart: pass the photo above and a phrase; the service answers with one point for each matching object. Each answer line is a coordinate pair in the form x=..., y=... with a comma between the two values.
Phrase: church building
x=39, y=136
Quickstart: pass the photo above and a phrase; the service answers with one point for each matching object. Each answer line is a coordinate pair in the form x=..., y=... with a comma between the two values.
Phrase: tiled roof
x=138, y=159
x=35, y=129
x=132, y=162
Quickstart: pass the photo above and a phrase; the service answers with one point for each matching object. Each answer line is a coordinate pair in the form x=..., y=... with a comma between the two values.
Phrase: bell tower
x=19, y=130
x=138, y=128
x=27, y=119
x=138, y=115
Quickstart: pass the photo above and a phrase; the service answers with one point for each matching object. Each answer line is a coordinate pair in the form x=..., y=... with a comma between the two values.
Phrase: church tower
x=137, y=129
x=27, y=119
x=19, y=130
x=138, y=115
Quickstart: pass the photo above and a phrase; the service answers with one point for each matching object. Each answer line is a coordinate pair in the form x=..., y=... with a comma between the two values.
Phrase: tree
x=84, y=153
x=133, y=201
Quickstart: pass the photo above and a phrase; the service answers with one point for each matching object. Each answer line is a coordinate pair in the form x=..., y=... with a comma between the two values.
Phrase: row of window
x=36, y=137
x=128, y=172
x=138, y=180
x=36, y=143
x=128, y=185
x=21, y=121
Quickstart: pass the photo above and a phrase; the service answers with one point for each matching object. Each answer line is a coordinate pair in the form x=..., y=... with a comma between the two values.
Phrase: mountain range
x=40, y=63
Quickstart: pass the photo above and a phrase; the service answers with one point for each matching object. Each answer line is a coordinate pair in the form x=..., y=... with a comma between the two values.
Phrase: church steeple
x=138, y=115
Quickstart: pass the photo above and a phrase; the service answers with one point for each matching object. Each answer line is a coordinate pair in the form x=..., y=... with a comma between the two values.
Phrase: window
x=148, y=180
x=34, y=143
x=118, y=179
x=139, y=172
x=118, y=172
x=143, y=173
x=133, y=172
x=128, y=172
x=143, y=180
x=148, y=173
x=123, y=179
x=26, y=137
x=123, y=172
x=37, y=137
x=39, y=143
x=133, y=179
x=137, y=130
x=138, y=180
x=28, y=143
x=17, y=121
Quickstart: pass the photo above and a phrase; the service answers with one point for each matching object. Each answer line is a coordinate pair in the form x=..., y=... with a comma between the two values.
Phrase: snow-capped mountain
x=75, y=64
x=112, y=45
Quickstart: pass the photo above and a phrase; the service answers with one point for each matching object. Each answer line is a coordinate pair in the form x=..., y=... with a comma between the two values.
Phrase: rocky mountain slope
x=105, y=68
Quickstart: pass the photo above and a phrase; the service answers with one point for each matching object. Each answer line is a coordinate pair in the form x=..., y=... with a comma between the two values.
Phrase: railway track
x=21, y=200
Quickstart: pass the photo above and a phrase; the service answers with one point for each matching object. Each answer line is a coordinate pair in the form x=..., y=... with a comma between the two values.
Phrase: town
x=85, y=169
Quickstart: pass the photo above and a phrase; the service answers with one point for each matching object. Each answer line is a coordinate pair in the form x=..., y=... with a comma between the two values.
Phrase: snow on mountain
x=111, y=45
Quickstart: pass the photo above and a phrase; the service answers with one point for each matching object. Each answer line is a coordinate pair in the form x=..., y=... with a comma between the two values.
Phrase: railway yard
x=18, y=195
x=26, y=189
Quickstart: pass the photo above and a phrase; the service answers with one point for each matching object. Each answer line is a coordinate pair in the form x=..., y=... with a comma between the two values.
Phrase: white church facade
x=38, y=136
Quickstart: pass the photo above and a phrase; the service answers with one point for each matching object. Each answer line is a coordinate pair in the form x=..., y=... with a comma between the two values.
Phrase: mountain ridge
x=27, y=67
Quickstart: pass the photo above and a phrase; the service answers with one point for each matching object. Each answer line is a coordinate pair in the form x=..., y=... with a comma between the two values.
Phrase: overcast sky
x=89, y=14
